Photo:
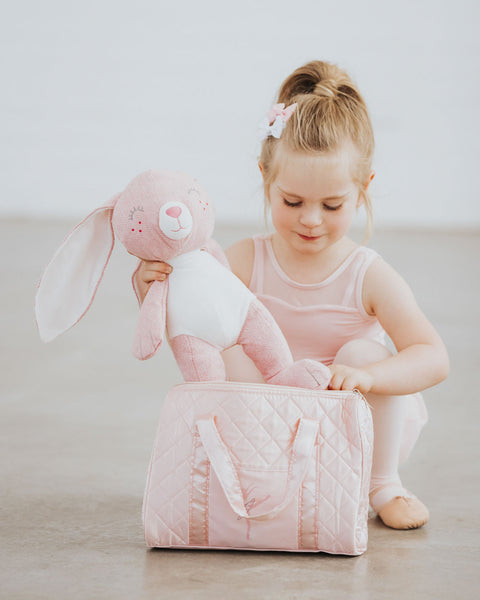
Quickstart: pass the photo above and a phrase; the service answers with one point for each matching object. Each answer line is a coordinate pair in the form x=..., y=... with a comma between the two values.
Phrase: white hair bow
x=274, y=123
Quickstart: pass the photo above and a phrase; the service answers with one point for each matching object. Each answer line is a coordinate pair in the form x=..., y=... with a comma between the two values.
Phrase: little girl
x=334, y=299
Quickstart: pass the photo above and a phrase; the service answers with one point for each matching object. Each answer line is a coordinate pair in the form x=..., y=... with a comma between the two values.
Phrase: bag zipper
x=255, y=386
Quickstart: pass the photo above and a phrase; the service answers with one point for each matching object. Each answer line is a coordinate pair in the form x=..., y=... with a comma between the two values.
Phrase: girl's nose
x=311, y=218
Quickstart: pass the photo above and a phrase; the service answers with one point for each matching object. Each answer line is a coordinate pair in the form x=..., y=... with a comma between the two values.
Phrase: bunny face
x=162, y=214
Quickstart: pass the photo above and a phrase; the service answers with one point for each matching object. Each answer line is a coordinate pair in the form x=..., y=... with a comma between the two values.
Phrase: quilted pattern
x=258, y=423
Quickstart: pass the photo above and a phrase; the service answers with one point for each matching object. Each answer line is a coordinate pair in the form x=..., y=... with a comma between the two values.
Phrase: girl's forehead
x=325, y=172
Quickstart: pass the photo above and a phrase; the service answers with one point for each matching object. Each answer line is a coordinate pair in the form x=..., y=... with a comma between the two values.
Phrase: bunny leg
x=262, y=340
x=198, y=360
x=306, y=373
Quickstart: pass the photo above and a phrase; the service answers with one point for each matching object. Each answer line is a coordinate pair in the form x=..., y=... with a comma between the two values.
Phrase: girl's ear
x=361, y=193
x=266, y=190
x=369, y=180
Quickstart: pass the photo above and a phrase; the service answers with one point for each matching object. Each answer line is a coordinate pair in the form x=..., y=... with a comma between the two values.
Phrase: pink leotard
x=316, y=319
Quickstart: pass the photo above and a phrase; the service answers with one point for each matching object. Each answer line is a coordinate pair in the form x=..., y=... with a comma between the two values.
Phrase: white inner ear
x=71, y=278
x=175, y=220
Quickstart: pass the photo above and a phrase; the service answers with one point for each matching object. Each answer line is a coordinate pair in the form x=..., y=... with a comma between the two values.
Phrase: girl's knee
x=358, y=353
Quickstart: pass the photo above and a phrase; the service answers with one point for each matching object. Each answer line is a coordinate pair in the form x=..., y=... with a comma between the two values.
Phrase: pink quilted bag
x=260, y=467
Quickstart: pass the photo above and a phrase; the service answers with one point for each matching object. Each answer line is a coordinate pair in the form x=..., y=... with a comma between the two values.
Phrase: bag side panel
x=167, y=497
x=338, y=484
x=365, y=425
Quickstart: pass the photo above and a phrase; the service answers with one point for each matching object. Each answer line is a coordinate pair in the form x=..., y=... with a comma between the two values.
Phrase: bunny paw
x=306, y=373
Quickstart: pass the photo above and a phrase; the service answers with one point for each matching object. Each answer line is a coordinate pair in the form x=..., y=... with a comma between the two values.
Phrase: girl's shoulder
x=383, y=285
x=241, y=256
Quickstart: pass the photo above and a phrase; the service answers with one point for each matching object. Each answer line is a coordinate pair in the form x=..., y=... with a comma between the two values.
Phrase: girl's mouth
x=309, y=238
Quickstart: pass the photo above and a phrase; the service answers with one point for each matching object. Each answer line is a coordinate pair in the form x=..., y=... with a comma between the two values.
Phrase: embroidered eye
x=138, y=218
x=193, y=191
x=203, y=203
x=133, y=211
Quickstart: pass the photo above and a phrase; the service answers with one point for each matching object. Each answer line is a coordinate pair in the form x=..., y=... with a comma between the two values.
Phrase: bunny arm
x=151, y=321
x=71, y=279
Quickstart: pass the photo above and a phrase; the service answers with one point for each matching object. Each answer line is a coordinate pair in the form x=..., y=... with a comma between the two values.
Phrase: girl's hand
x=348, y=378
x=148, y=272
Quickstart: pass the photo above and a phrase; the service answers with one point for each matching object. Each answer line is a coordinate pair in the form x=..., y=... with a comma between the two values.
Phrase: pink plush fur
x=197, y=360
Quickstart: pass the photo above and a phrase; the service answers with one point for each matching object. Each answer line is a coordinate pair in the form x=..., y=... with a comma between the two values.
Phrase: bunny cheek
x=175, y=220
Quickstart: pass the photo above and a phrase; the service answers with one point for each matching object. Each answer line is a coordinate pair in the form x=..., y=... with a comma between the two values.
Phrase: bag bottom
x=243, y=549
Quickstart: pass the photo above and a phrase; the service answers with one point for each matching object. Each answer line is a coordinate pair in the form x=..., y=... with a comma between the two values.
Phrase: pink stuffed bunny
x=203, y=306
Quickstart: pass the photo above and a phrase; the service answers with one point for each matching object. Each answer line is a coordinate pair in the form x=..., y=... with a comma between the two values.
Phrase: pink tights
x=388, y=414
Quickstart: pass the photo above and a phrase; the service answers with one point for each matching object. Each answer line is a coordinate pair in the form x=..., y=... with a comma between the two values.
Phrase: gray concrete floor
x=78, y=417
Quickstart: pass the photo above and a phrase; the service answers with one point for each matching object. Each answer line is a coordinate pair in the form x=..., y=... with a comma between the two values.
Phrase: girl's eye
x=287, y=203
x=328, y=207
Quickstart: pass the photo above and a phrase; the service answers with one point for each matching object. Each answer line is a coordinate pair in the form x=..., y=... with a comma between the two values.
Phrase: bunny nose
x=174, y=211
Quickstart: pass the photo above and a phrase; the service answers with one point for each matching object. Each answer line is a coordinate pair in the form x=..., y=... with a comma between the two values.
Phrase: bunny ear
x=72, y=277
x=151, y=322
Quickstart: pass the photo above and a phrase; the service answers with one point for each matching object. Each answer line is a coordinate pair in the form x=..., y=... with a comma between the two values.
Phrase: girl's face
x=314, y=198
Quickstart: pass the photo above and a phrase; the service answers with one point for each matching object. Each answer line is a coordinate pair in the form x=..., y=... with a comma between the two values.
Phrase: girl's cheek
x=280, y=214
x=346, y=219
x=335, y=222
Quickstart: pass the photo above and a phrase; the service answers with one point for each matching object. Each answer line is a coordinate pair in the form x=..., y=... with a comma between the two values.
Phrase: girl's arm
x=240, y=257
x=422, y=359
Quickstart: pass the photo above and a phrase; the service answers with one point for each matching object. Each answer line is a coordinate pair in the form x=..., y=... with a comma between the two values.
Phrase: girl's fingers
x=154, y=271
x=349, y=384
x=157, y=266
x=153, y=275
x=336, y=382
x=150, y=277
x=345, y=378
x=165, y=268
x=341, y=381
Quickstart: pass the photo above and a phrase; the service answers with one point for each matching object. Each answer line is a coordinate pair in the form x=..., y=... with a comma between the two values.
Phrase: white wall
x=94, y=92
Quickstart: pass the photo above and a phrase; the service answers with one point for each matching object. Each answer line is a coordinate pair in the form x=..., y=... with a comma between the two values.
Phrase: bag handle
x=227, y=475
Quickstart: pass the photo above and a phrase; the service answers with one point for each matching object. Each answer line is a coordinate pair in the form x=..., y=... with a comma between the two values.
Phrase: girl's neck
x=311, y=267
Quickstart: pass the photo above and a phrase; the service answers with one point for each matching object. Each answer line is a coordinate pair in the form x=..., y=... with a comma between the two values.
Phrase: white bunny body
x=205, y=300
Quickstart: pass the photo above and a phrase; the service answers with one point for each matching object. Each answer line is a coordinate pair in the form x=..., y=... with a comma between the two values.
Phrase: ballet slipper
x=403, y=511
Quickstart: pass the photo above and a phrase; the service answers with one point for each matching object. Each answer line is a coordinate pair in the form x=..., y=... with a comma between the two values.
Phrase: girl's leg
x=397, y=507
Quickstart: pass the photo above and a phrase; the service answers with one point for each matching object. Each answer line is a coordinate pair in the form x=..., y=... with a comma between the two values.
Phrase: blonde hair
x=329, y=110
